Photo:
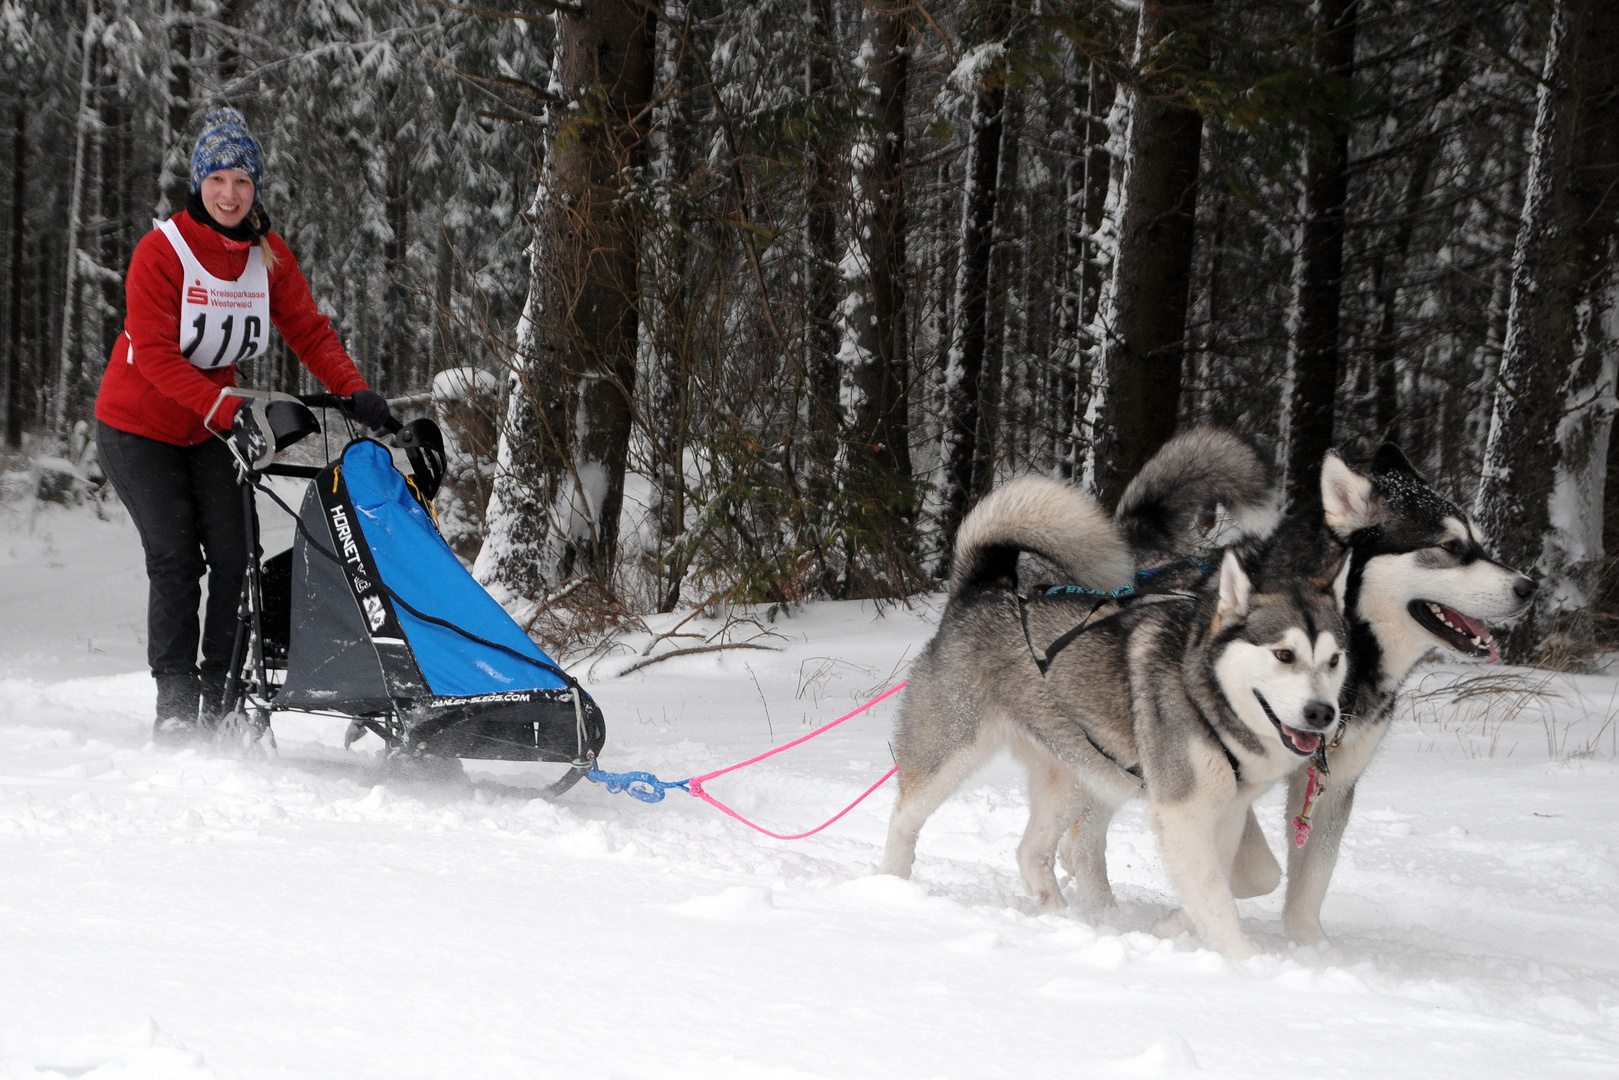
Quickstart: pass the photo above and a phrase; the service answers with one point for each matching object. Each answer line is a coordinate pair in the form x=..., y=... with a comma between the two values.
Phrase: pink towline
x=696, y=782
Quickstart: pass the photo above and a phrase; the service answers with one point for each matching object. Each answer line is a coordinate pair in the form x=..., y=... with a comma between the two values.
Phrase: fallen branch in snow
x=675, y=630
x=639, y=664
x=733, y=620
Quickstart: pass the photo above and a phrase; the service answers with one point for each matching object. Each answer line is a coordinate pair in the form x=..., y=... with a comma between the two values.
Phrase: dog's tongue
x=1474, y=627
x=1304, y=741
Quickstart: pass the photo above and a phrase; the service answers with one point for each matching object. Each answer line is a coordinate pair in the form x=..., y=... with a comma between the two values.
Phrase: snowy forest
x=763, y=295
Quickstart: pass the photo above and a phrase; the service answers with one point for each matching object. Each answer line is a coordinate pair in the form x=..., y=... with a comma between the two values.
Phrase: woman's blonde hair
x=266, y=252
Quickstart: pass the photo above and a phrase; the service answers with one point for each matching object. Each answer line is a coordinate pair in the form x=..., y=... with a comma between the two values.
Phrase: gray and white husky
x=1201, y=692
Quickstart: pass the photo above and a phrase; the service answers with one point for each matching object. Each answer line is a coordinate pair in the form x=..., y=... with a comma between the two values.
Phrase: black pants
x=187, y=505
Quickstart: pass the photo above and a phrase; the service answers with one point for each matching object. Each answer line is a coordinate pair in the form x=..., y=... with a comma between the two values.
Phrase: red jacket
x=161, y=395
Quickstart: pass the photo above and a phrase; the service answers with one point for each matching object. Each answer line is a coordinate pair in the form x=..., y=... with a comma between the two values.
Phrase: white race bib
x=221, y=322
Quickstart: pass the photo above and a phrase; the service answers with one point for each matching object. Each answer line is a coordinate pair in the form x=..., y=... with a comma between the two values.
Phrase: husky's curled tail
x=1049, y=518
x=1189, y=475
x=977, y=687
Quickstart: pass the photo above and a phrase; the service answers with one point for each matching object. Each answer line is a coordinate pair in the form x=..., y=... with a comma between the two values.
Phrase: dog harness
x=1142, y=586
x=1316, y=782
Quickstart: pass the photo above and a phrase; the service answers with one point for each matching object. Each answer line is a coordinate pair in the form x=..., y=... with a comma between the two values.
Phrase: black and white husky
x=1420, y=581
x=1200, y=690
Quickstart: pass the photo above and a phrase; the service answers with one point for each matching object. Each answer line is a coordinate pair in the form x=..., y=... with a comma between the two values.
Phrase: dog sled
x=371, y=618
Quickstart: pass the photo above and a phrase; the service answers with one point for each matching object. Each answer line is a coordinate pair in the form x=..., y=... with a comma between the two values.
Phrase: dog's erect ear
x=1235, y=592
x=1336, y=582
x=1391, y=459
x=1346, y=497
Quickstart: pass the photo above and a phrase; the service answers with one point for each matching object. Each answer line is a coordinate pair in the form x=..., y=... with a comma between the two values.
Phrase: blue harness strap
x=1079, y=590
x=1140, y=585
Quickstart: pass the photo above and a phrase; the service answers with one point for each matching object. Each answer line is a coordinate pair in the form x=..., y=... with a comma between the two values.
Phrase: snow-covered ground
x=182, y=915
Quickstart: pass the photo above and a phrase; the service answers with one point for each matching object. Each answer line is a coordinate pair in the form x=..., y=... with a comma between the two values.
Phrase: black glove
x=248, y=437
x=370, y=408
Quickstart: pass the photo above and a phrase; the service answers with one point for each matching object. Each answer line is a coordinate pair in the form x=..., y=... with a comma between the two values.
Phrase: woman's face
x=227, y=194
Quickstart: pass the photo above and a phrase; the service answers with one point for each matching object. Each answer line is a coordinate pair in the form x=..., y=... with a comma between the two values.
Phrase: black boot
x=176, y=723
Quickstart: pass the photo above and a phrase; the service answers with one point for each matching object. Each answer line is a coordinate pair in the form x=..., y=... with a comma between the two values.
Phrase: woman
x=202, y=291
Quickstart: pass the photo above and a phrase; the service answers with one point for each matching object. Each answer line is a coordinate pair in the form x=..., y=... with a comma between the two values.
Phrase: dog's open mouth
x=1302, y=743
x=1463, y=633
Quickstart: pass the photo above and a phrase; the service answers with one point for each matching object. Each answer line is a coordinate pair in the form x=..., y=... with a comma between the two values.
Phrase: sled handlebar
x=420, y=439
x=302, y=472
x=346, y=405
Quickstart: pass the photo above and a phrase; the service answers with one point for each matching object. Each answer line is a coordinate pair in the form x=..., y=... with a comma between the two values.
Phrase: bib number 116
x=252, y=336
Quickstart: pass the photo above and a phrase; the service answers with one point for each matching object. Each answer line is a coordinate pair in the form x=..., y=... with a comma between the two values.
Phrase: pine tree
x=19, y=55
x=1142, y=318
x=969, y=395
x=879, y=499
x=1541, y=488
x=1313, y=350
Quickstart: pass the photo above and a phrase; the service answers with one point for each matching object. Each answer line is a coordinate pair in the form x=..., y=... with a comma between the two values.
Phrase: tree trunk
x=113, y=250
x=997, y=383
x=175, y=181
x=670, y=327
x=1385, y=280
x=89, y=333
x=559, y=480
x=70, y=286
x=1085, y=197
x=529, y=464
x=588, y=321
x=445, y=333
x=10, y=405
x=1548, y=442
x=824, y=202
x=530, y=453
x=878, y=489
x=964, y=389
x=396, y=365
x=1318, y=269
x=1142, y=319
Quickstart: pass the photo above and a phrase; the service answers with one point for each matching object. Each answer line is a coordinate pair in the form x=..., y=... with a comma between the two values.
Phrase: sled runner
x=370, y=616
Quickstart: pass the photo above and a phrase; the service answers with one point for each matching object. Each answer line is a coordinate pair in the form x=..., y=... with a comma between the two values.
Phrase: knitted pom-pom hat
x=226, y=144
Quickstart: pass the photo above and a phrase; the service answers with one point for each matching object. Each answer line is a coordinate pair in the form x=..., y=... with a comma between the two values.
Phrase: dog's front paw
x=1304, y=931
x=1092, y=892
x=1238, y=948
x=895, y=868
x=1042, y=885
x=1093, y=898
x=1234, y=945
x=1173, y=926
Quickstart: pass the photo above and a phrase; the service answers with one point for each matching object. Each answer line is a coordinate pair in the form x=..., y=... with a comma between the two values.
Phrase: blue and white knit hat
x=226, y=144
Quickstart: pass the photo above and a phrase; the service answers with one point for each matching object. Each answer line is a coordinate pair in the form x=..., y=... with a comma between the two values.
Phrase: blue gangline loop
x=638, y=785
